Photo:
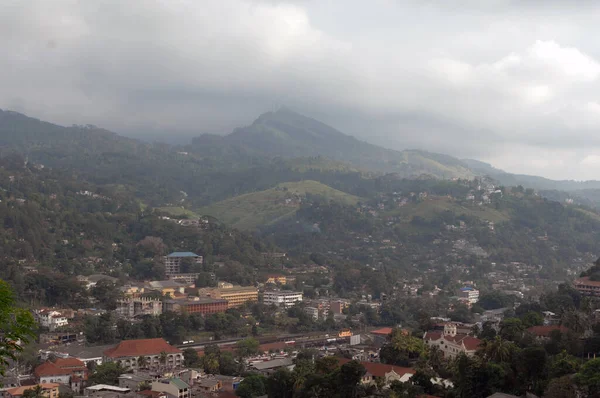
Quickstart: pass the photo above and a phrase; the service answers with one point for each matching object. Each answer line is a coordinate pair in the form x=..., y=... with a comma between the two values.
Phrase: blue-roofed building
x=468, y=294
x=174, y=260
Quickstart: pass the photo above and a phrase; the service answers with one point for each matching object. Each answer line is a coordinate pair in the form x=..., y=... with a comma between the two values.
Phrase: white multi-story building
x=313, y=312
x=131, y=307
x=282, y=298
x=173, y=262
x=469, y=294
x=452, y=343
x=50, y=319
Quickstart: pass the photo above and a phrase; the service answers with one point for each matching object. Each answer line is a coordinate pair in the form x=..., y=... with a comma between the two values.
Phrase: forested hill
x=54, y=227
x=288, y=134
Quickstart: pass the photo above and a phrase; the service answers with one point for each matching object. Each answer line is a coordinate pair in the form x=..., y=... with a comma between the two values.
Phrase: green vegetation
x=177, y=212
x=252, y=210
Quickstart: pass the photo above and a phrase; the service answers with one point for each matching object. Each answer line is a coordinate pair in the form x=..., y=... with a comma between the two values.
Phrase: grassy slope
x=427, y=208
x=177, y=212
x=261, y=208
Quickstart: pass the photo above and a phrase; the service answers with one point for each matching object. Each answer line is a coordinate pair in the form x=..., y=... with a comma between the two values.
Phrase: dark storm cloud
x=510, y=82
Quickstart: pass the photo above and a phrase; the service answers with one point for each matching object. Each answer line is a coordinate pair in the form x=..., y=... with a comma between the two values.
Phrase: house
x=128, y=353
x=66, y=371
x=49, y=390
x=380, y=371
x=273, y=365
x=276, y=278
x=50, y=319
x=452, y=343
x=132, y=381
x=100, y=390
x=209, y=385
x=544, y=332
x=285, y=299
x=173, y=386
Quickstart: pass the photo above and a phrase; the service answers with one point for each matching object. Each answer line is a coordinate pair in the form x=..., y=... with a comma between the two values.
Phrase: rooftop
x=183, y=254
x=586, y=281
x=470, y=343
x=135, y=348
x=544, y=331
x=382, y=332
x=20, y=390
x=107, y=387
x=381, y=369
x=275, y=363
x=50, y=369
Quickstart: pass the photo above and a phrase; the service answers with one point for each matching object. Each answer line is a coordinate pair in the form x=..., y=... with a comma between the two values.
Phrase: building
x=133, y=381
x=386, y=373
x=92, y=280
x=131, y=307
x=174, y=386
x=452, y=343
x=174, y=261
x=49, y=390
x=50, y=319
x=545, y=332
x=169, y=287
x=469, y=294
x=282, y=298
x=102, y=390
x=128, y=352
x=271, y=366
x=313, y=312
x=236, y=295
x=208, y=385
x=204, y=306
x=587, y=287
x=338, y=306
x=66, y=371
x=280, y=279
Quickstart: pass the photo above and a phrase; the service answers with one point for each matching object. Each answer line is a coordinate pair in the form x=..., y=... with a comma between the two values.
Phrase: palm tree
x=498, y=350
x=142, y=362
x=162, y=358
x=575, y=320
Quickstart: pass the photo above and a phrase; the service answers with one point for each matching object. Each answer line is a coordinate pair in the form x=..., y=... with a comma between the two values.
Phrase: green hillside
x=290, y=135
x=429, y=208
x=252, y=210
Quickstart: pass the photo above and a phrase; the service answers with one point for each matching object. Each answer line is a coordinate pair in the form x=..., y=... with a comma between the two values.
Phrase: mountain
x=256, y=209
x=287, y=134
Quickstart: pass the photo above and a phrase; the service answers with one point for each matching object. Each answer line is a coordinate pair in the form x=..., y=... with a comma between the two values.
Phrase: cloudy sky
x=512, y=82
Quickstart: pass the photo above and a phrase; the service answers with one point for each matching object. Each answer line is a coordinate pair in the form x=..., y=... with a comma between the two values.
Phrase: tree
x=498, y=349
x=351, y=373
x=35, y=392
x=247, y=347
x=107, y=373
x=142, y=362
x=251, y=387
x=190, y=358
x=162, y=358
x=228, y=365
x=562, y=387
x=16, y=327
x=511, y=329
x=281, y=384
x=588, y=377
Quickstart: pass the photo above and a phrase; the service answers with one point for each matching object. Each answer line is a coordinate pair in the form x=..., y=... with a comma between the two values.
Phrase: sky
x=512, y=82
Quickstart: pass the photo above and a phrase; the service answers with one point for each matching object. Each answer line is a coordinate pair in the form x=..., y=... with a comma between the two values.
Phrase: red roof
x=470, y=343
x=50, y=369
x=380, y=369
x=135, y=348
x=586, y=281
x=69, y=363
x=544, y=331
x=382, y=331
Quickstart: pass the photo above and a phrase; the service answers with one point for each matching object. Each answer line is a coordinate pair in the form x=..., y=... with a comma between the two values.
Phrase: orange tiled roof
x=135, y=348
x=69, y=363
x=544, y=331
x=382, y=331
x=50, y=369
x=471, y=343
x=18, y=391
x=586, y=281
x=380, y=369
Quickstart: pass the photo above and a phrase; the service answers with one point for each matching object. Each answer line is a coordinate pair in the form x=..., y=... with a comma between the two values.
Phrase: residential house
x=102, y=390
x=49, y=390
x=276, y=278
x=66, y=371
x=128, y=353
x=50, y=319
x=452, y=343
x=386, y=373
x=545, y=332
x=208, y=385
x=174, y=386
x=133, y=381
